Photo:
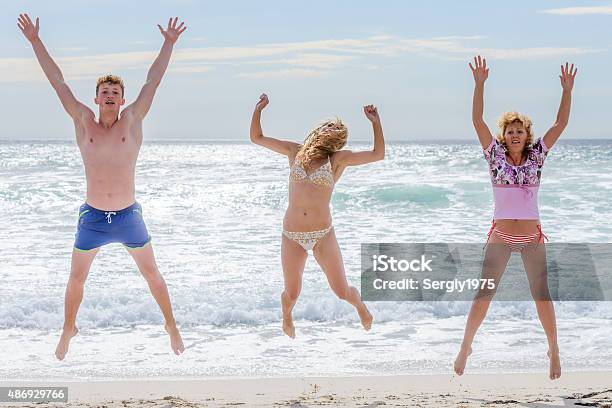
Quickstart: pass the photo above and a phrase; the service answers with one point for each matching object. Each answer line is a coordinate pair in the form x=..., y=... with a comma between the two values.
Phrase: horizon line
x=243, y=141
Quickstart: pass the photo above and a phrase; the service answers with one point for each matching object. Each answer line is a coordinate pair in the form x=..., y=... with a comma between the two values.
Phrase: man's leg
x=145, y=260
x=79, y=269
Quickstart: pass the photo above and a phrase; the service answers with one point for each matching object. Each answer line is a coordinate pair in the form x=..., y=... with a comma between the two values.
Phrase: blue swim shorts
x=98, y=227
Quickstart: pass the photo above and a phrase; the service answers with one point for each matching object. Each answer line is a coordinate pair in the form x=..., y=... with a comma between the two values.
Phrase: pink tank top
x=515, y=188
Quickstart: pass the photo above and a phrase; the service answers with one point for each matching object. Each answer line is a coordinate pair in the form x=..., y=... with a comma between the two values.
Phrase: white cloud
x=579, y=11
x=294, y=59
x=532, y=53
x=450, y=48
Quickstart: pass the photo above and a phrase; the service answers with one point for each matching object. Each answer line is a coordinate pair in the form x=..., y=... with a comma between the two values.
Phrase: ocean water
x=215, y=210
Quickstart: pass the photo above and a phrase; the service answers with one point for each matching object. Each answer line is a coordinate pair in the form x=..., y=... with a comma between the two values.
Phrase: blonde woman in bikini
x=515, y=162
x=314, y=168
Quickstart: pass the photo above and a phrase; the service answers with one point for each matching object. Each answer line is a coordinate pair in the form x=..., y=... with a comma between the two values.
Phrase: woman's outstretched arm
x=568, y=73
x=349, y=158
x=481, y=73
x=280, y=146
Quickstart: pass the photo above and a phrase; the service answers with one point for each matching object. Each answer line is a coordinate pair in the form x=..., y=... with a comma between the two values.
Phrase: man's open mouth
x=109, y=103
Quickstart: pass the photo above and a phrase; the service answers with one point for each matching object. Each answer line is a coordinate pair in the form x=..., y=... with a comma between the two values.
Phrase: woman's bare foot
x=62, y=347
x=555, y=364
x=366, y=318
x=176, y=341
x=288, y=327
x=461, y=359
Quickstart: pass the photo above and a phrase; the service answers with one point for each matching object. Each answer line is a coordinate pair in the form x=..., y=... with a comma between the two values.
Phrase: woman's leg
x=328, y=256
x=293, y=258
x=494, y=264
x=534, y=260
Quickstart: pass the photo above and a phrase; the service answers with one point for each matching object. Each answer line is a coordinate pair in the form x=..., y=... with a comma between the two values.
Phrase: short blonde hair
x=511, y=117
x=110, y=79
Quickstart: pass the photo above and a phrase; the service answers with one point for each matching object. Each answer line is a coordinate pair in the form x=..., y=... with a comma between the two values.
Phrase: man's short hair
x=110, y=79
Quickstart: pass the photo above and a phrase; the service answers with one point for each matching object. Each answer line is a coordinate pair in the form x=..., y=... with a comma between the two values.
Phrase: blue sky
x=315, y=59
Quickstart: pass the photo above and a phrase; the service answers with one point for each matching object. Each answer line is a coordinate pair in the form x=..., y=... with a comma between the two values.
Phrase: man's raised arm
x=141, y=105
x=30, y=30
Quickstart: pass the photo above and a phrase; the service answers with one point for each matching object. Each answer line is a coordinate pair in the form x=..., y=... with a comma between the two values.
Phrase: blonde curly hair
x=511, y=117
x=318, y=145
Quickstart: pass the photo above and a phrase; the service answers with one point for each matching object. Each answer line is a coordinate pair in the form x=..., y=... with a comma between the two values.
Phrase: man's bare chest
x=115, y=145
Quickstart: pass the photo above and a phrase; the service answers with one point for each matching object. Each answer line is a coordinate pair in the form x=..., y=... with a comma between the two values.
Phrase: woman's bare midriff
x=517, y=227
x=308, y=208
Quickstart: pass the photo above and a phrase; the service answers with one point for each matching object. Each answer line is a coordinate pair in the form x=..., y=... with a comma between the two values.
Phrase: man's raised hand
x=27, y=27
x=172, y=32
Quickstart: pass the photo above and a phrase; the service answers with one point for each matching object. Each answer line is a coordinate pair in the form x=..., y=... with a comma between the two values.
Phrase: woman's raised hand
x=479, y=70
x=568, y=73
x=262, y=103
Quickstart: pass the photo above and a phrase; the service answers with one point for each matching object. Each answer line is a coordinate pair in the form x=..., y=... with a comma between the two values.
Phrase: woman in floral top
x=515, y=162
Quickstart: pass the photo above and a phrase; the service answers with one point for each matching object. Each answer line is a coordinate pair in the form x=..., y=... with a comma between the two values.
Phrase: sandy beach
x=478, y=390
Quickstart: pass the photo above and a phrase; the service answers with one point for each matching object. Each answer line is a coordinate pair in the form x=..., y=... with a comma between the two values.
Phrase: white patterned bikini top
x=322, y=176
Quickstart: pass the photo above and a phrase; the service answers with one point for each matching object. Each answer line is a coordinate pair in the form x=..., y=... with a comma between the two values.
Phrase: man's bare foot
x=461, y=359
x=62, y=347
x=176, y=342
x=366, y=318
x=555, y=364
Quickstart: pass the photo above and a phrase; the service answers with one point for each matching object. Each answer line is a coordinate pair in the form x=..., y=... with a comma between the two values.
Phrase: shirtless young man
x=109, y=147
